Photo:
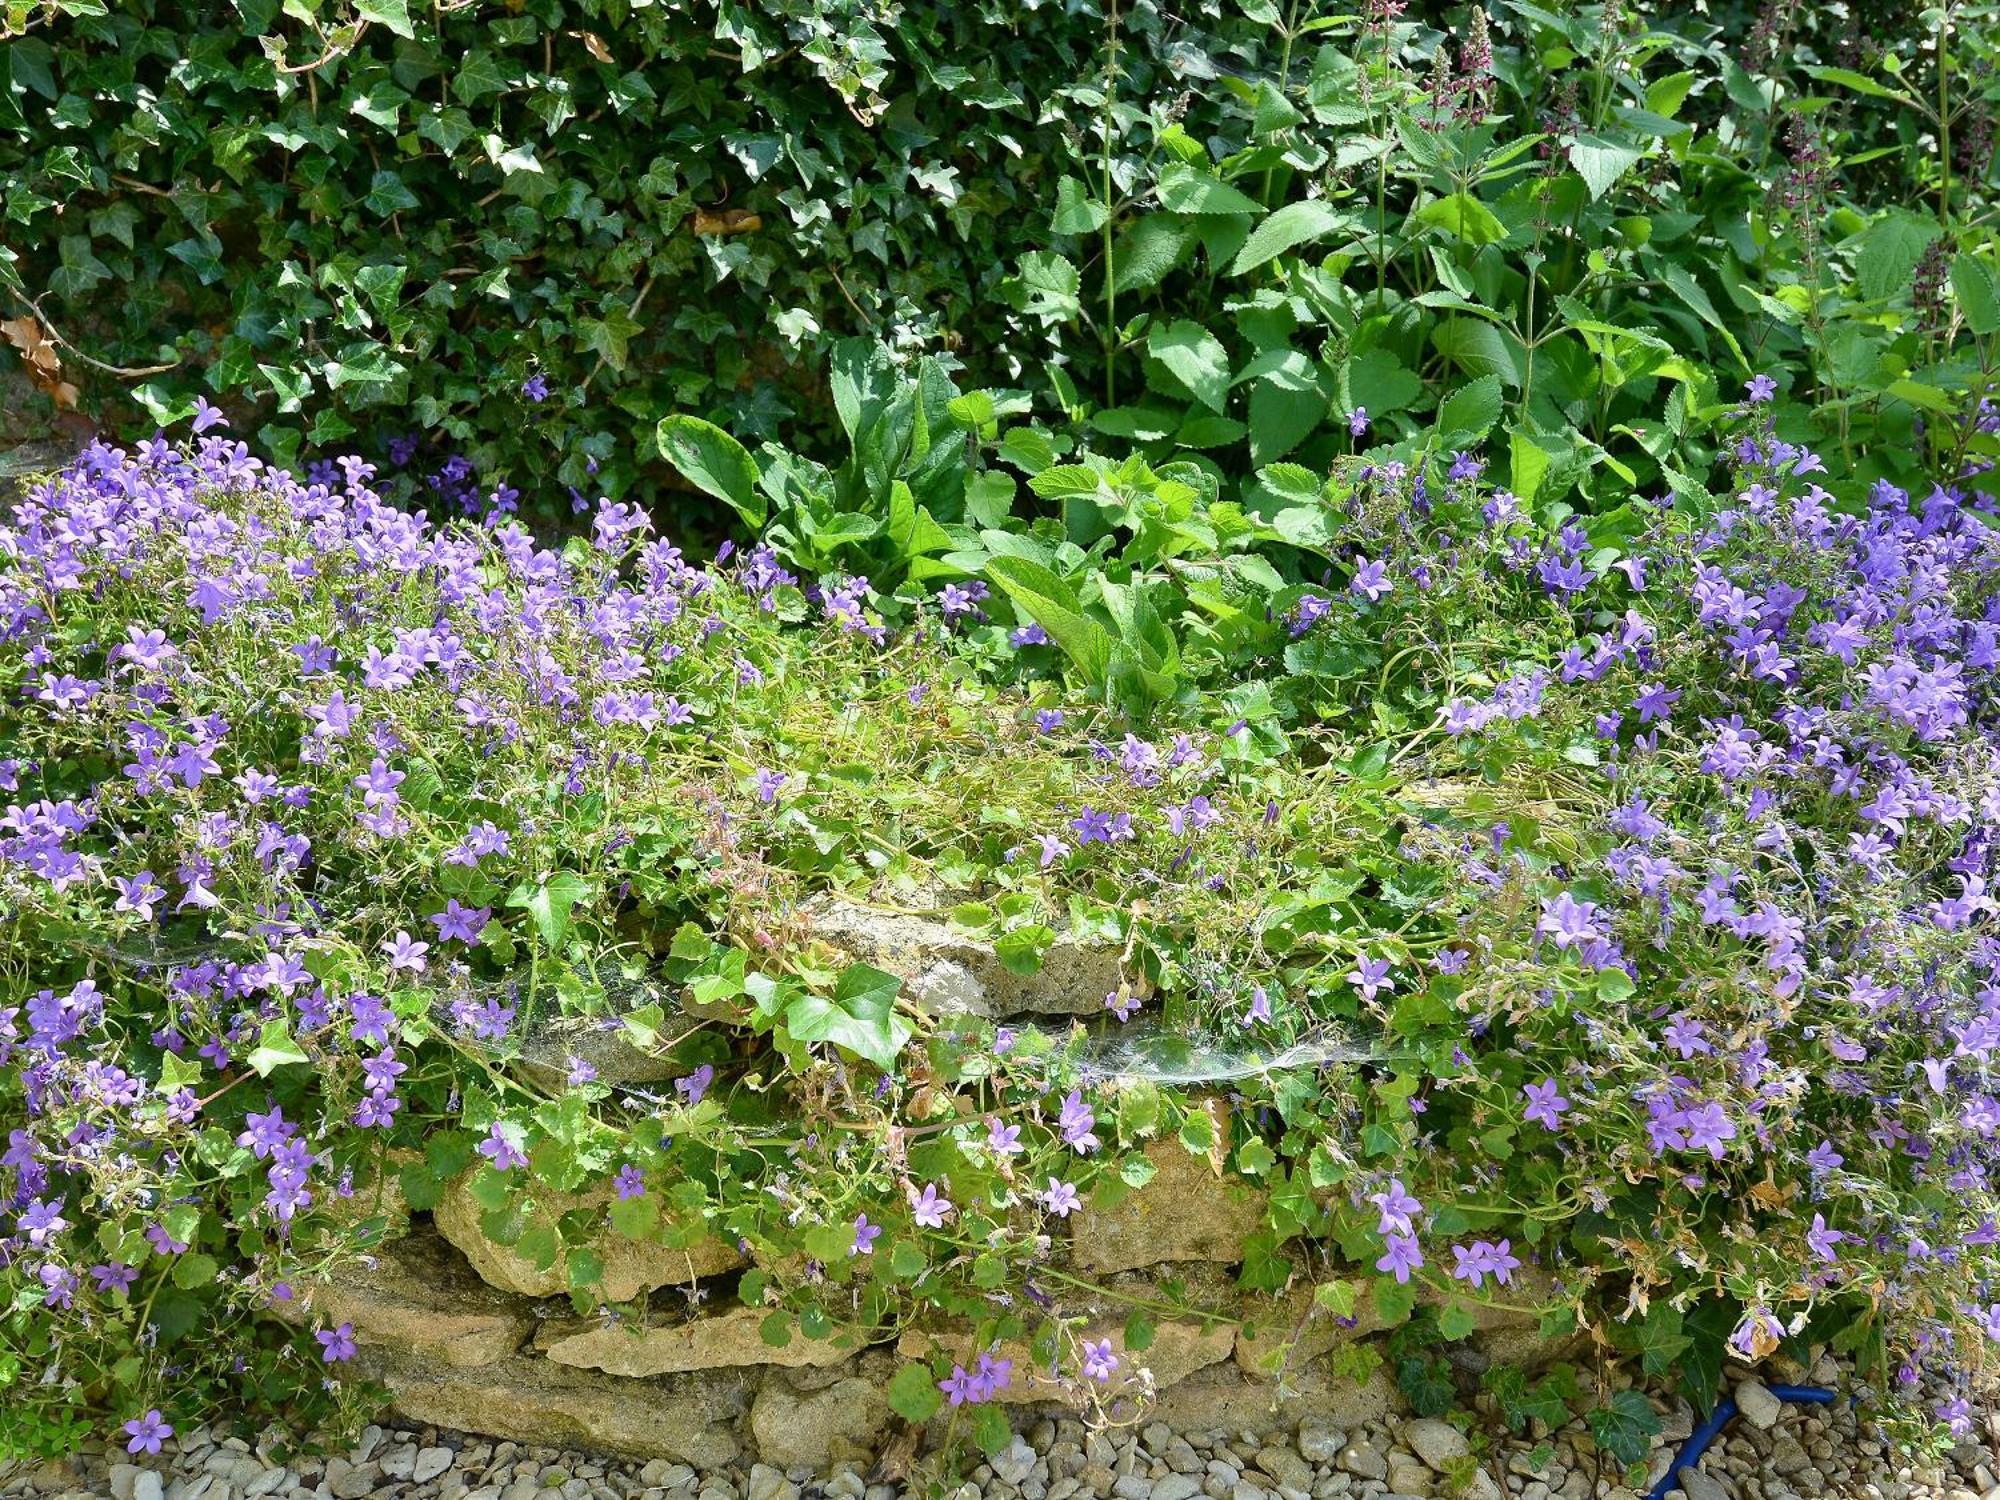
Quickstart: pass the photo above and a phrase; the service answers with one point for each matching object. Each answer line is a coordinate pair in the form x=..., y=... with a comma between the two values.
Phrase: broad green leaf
x=1602, y=162
x=913, y=1394
x=1890, y=249
x=1038, y=593
x=1196, y=358
x=714, y=463
x=1185, y=190
x=1469, y=412
x=1861, y=83
x=1463, y=217
x=1150, y=248
x=1978, y=299
x=1077, y=212
x=860, y=1016
x=1293, y=225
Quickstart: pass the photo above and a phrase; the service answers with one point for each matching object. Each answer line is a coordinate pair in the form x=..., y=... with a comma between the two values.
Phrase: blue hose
x=1698, y=1440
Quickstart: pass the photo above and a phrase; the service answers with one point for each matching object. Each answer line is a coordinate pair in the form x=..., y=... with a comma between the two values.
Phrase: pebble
x=1436, y=1443
x=1760, y=1408
x=1803, y=1453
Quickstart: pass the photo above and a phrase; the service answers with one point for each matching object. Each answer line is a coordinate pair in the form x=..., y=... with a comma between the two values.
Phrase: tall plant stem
x=1110, y=197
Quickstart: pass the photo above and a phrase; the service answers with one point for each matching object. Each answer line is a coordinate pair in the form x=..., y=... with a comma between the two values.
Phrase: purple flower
x=1371, y=580
x=536, y=387
x=405, y=953
x=1259, y=1012
x=1060, y=1198
x=1370, y=976
x=1357, y=422
x=630, y=1182
x=500, y=1151
x=1546, y=1106
x=461, y=924
x=1099, y=1363
x=147, y=1433
x=1822, y=1240
x=865, y=1236
x=336, y=1344
x=929, y=1208
x=1002, y=1140
x=767, y=784
x=1400, y=1257
x=1075, y=1121
x=1759, y=389
x=205, y=417
x=1396, y=1207
x=1122, y=1004
x=695, y=1085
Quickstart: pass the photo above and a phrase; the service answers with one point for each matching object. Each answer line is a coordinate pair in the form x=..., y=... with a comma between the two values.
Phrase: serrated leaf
x=913, y=1394
x=1185, y=190
x=1293, y=225
x=1469, y=412
x=1196, y=358
x=1463, y=217
x=1890, y=249
x=1602, y=162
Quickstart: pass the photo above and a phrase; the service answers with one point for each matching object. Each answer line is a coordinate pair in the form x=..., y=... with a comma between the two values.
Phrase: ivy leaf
x=275, y=1049
x=394, y=14
x=861, y=1017
x=714, y=463
x=551, y=902
x=1624, y=1427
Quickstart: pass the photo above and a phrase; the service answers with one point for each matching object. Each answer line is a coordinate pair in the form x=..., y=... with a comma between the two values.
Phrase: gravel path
x=1771, y=1452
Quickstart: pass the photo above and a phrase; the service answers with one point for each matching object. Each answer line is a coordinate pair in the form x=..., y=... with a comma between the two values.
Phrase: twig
x=124, y=372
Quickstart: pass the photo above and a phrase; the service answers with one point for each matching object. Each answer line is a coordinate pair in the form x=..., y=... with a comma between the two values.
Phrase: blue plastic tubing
x=1698, y=1440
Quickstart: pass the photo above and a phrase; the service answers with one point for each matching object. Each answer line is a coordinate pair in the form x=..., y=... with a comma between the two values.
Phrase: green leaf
x=1602, y=162
x=1890, y=249
x=1287, y=402
x=1196, y=358
x=1469, y=412
x=860, y=1017
x=1463, y=217
x=1861, y=83
x=715, y=463
x=551, y=902
x=1185, y=190
x=1294, y=224
x=394, y=14
x=1043, y=597
x=913, y=1395
x=1378, y=381
x=1077, y=212
x=1144, y=253
x=275, y=1049
x=1978, y=300
x=1625, y=1427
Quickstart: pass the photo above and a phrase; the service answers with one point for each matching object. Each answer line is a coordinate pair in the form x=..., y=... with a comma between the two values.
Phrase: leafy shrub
x=1211, y=236
x=1670, y=934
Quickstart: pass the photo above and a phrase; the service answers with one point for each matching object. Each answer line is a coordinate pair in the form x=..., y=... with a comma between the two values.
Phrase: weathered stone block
x=690, y=1418
x=816, y=1429
x=632, y=1267
x=723, y=1340
x=416, y=1298
x=948, y=972
x=1187, y=1212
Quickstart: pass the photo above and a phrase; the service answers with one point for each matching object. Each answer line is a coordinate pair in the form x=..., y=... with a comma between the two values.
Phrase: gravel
x=1778, y=1451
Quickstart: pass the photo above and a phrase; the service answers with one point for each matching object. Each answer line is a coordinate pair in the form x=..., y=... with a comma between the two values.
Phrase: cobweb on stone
x=1152, y=1055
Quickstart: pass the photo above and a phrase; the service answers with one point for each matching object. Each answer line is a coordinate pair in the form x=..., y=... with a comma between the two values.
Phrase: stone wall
x=470, y=1334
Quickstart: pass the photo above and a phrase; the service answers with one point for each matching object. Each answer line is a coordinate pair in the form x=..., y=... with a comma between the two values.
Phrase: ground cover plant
x=1458, y=540
x=1671, y=921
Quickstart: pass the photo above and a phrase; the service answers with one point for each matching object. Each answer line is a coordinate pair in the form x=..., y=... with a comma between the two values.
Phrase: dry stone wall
x=467, y=1333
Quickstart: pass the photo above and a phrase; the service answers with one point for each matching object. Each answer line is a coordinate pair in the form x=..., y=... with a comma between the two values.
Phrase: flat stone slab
x=723, y=1340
